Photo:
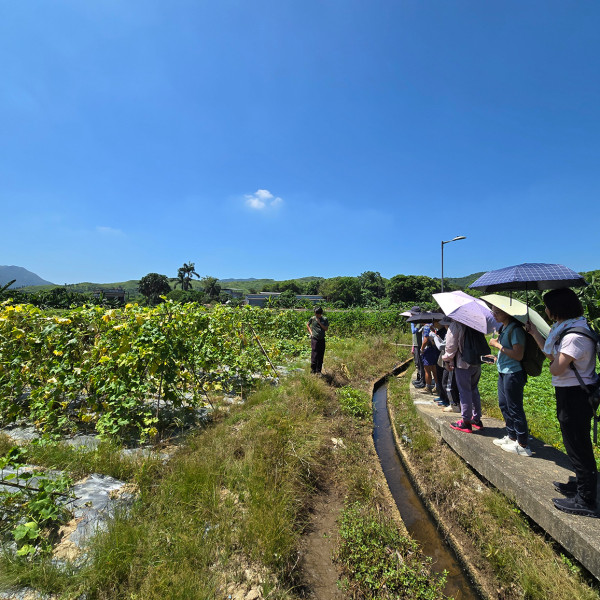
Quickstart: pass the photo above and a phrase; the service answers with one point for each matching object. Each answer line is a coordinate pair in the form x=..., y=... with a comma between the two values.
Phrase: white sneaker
x=516, y=448
x=504, y=440
x=452, y=408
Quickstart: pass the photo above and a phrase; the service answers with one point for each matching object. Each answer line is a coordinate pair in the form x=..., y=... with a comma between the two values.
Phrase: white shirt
x=583, y=350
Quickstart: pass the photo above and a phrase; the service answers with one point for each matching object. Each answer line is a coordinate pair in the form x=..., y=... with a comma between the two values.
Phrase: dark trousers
x=574, y=414
x=470, y=400
x=316, y=355
x=419, y=365
x=510, y=400
x=450, y=387
x=439, y=383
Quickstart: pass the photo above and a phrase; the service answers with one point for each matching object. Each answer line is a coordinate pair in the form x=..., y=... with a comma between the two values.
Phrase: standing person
x=467, y=379
x=441, y=380
x=417, y=340
x=317, y=326
x=568, y=353
x=429, y=356
x=449, y=399
x=511, y=383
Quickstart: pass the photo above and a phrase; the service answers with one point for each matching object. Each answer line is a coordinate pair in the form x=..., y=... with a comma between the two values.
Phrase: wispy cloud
x=262, y=199
x=109, y=231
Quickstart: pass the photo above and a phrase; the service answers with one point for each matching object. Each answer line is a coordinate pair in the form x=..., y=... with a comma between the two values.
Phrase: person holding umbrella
x=511, y=383
x=465, y=344
x=467, y=378
x=570, y=353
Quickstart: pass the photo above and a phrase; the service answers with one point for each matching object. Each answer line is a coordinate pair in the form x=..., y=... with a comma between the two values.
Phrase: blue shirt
x=509, y=337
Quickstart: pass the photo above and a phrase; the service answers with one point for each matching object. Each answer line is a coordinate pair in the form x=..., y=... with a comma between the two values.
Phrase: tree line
x=368, y=290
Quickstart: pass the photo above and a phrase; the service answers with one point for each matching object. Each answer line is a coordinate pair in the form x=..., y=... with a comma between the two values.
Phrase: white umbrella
x=518, y=310
x=467, y=310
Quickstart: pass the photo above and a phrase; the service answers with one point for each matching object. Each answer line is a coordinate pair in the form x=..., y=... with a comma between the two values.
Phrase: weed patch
x=382, y=563
x=354, y=402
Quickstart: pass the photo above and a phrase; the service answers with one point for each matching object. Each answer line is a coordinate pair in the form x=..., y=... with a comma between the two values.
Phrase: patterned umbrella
x=528, y=276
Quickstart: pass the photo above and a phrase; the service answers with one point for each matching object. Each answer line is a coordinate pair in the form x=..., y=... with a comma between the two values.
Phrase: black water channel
x=417, y=519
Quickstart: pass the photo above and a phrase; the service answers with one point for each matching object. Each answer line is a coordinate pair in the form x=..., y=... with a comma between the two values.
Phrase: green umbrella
x=518, y=310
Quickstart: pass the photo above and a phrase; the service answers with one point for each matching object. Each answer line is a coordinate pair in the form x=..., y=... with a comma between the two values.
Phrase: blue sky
x=282, y=138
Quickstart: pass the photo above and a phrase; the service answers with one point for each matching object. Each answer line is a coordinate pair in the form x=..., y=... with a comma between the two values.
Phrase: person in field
x=317, y=326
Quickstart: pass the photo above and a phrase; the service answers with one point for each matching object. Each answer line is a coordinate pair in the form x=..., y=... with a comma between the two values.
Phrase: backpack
x=533, y=358
x=474, y=346
x=592, y=389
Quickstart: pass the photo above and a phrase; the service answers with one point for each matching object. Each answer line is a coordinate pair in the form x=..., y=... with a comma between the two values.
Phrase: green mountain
x=23, y=277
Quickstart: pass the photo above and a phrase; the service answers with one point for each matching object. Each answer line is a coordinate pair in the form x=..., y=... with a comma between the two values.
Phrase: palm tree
x=184, y=276
x=5, y=287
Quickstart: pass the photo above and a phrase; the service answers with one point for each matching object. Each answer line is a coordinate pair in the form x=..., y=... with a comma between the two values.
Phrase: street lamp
x=454, y=239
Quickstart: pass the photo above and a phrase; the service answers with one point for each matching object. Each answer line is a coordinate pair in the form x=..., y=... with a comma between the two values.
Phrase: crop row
x=111, y=371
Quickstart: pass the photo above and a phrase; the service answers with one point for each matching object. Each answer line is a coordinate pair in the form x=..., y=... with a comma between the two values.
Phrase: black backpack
x=474, y=346
x=533, y=358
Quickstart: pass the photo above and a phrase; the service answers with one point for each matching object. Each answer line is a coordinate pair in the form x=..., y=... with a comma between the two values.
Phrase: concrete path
x=527, y=481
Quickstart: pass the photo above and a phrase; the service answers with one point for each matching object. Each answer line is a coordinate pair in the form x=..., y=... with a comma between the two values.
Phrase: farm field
x=227, y=449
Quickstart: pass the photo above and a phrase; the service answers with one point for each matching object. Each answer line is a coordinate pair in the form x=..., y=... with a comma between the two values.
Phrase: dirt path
x=320, y=573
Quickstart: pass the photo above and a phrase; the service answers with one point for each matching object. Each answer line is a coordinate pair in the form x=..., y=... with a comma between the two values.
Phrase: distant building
x=111, y=294
x=233, y=292
x=261, y=298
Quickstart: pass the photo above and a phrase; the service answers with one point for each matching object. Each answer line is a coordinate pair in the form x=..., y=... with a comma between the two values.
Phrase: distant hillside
x=462, y=282
x=23, y=277
x=256, y=284
x=234, y=279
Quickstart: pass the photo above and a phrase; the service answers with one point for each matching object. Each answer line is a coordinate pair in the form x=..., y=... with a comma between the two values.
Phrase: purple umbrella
x=528, y=276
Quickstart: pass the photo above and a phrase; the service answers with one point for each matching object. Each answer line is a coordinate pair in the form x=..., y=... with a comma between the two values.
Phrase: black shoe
x=566, y=489
x=576, y=506
x=418, y=385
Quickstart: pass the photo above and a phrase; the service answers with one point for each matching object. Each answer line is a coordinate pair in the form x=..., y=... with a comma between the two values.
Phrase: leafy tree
x=312, y=286
x=372, y=285
x=153, y=286
x=184, y=276
x=290, y=285
x=287, y=299
x=342, y=291
x=411, y=288
x=211, y=286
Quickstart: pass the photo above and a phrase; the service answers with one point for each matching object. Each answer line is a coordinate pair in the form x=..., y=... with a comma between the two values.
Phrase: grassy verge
x=524, y=562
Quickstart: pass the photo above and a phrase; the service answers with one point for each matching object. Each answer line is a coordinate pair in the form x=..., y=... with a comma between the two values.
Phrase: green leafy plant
x=34, y=508
x=354, y=402
x=380, y=562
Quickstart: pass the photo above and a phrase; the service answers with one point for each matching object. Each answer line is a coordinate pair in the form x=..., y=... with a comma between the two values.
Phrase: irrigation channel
x=418, y=521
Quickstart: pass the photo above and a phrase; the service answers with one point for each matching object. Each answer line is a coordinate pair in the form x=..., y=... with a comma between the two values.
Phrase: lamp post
x=454, y=239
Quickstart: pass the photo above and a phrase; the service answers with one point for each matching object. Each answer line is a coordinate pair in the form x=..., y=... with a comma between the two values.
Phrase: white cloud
x=262, y=199
x=108, y=231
